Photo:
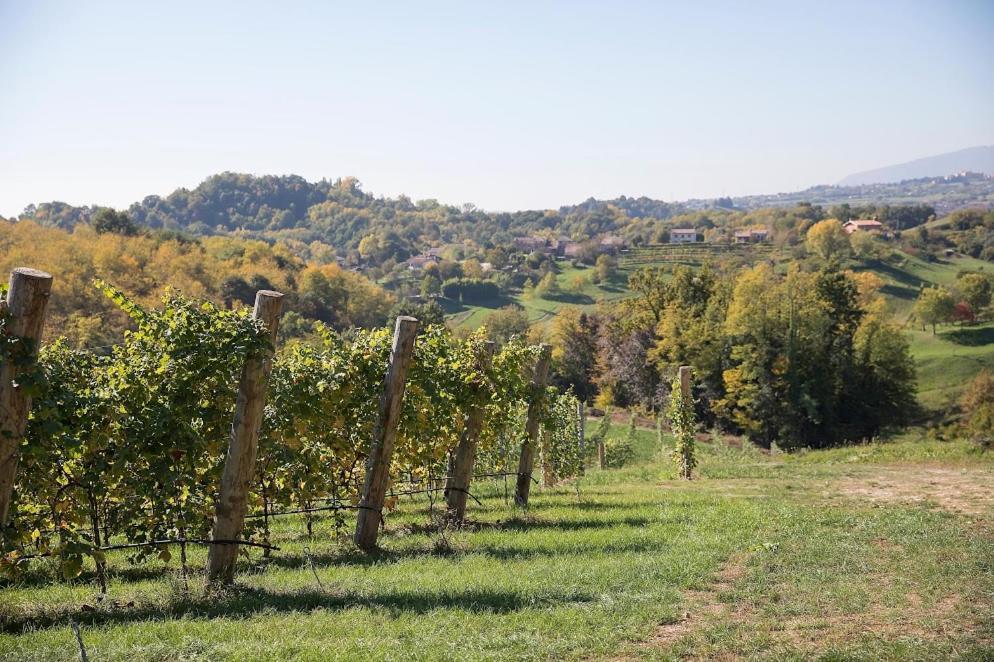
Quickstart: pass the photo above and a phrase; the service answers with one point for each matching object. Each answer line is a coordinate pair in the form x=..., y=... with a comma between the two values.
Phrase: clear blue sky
x=508, y=105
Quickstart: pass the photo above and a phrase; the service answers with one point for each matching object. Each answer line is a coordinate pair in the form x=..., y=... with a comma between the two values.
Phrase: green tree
x=605, y=268
x=864, y=245
x=109, y=220
x=935, y=305
x=506, y=323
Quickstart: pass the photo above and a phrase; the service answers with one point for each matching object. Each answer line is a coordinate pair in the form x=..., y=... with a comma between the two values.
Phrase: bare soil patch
x=968, y=491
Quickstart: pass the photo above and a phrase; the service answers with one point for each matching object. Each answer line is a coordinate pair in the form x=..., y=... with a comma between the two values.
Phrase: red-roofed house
x=863, y=225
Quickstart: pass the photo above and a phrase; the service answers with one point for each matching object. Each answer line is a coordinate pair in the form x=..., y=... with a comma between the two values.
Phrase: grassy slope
x=760, y=557
x=949, y=360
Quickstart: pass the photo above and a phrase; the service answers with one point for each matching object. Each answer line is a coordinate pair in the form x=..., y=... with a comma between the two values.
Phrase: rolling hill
x=973, y=159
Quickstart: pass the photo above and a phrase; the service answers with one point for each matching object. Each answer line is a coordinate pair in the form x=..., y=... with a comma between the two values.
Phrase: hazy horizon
x=510, y=107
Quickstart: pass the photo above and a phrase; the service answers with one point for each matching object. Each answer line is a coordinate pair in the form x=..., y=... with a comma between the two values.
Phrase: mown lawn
x=784, y=557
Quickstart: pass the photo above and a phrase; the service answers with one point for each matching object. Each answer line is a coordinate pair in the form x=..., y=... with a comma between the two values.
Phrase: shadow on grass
x=897, y=274
x=974, y=337
x=574, y=298
x=246, y=602
x=899, y=292
x=46, y=575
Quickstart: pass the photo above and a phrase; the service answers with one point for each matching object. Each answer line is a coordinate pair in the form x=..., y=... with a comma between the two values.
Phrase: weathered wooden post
x=239, y=464
x=527, y=459
x=685, y=372
x=24, y=309
x=461, y=471
x=385, y=434
x=602, y=452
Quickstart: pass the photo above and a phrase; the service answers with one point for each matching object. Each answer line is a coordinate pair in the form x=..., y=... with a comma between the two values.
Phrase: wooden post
x=385, y=434
x=239, y=464
x=602, y=453
x=25, y=310
x=685, y=372
x=527, y=459
x=461, y=471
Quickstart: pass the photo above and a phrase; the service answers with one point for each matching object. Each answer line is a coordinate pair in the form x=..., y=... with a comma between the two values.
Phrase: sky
x=508, y=105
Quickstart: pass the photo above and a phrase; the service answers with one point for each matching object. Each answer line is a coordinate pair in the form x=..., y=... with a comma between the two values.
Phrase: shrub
x=618, y=452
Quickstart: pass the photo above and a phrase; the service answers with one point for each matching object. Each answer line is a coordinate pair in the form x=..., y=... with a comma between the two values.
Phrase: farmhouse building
x=751, y=236
x=863, y=225
x=683, y=236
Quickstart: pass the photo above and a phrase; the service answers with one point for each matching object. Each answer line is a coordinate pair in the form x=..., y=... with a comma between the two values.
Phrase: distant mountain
x=972, y=159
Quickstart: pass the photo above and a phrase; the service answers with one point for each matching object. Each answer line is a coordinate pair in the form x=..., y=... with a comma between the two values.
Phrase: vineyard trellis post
x=239, y=464
x=685, y=372
x=457, y=484
x=27, y=297
x=527, y=459
x=385, y=434
x=602, y=451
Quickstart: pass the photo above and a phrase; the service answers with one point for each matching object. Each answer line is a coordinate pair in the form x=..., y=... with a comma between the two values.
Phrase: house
x=751, y=236
x=612, y=243
x=683, y=236
x=533, y=244
x=572, y=249
x=419, y=262
x=863, y=225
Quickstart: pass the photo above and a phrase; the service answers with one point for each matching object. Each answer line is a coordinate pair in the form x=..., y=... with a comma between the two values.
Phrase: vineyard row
x=195, y=429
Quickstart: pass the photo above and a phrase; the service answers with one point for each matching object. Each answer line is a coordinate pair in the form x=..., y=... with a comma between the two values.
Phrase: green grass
x=761, y=556
x=946, y=362
x=539, y=309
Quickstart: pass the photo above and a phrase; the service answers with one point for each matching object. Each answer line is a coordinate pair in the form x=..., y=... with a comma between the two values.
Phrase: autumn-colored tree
x=828, y=240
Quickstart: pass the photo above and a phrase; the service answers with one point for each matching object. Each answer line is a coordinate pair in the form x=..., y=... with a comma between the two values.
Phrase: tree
x=109, y=220
x=828, y=240
x=506, y=323
x=605, y=268
x=865, y=245
x=430, y=285
x=574, y=352
x=236, y=288
x=935, y=305
x=547, y=287
x=975, y=290
x=977, y=405
x=427, y=313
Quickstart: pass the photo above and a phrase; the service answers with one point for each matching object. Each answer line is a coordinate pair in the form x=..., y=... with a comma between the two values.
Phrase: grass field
x=875, y=552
